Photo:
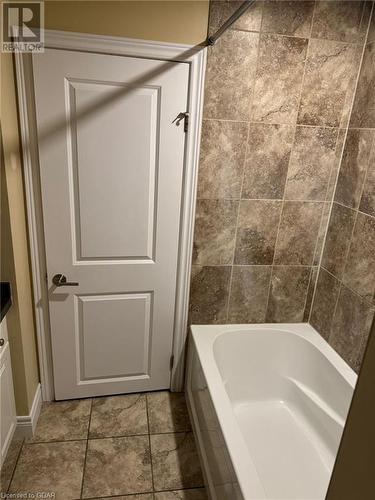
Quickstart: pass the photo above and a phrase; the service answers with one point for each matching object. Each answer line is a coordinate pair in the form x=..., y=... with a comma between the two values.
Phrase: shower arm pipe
x=211, y=40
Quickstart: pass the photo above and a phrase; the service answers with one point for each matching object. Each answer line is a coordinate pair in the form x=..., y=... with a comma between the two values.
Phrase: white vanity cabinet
x=7, y=404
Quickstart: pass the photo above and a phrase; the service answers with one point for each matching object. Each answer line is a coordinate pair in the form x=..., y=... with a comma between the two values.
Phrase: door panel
x=105, y=190
x=114, y=356
x=111, y=180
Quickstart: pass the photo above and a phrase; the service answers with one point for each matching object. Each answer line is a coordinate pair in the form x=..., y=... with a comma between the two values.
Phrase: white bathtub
x=268, y=405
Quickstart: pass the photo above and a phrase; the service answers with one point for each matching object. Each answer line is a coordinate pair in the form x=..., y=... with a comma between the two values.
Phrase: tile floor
x=134, y=447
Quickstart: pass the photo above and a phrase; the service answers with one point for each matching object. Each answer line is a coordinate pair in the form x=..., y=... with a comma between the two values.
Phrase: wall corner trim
x=26, y=424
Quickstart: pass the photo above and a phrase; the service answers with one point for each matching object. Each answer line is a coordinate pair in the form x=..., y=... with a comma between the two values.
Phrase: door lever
x=60, y=280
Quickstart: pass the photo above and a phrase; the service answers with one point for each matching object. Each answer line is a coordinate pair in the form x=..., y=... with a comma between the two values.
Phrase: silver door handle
x=60, y=280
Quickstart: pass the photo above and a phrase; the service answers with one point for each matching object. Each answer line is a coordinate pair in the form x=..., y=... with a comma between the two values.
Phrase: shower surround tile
x=326, y=294
x=292, y=83
x=328, y=73
x=351, y=325
x=339, y=21
x=256, y=235
x=117, y=466
x=371, y=33
x=363, y=114
x=118, y=416
x=223, y=146
x=337, y=242
x=63, y=421
x=341, y=137
x=355, y=161
x=288, y=18
x=215, y=229
x=221, y=10
x=230, y=76
x=288, y=294
x=310, y=293
x=367, y=204
x=170, y=453
x=249, y=294
x=359, y=273
x=167, y=412
x=352, y=85
x=281, y=59
x=298, y=232
x=311, y=162
x=322, y=233
x=209, y=293
x=50, y=467
x=266, y=165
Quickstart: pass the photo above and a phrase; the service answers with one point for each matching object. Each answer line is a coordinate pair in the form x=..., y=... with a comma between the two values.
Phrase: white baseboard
x=26, y=423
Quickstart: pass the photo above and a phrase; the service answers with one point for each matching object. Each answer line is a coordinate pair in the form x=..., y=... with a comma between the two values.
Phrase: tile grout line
x=87, y=445
x=368, y=167
x=290, y=200
x=15, y=466
x=285, y=124
x=294, y=125
x=354, y=209
x=368, y=302
x=307, y=292
x=280, y=218
x=249, y=122
x=130, y=495
x=236, y=227
x=108, y=437
x=333, y=167
x=149, y=444
x=250, y=114
x=338, y=173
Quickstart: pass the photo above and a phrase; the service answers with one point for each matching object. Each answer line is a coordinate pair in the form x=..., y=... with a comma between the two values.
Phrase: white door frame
x=195, y=56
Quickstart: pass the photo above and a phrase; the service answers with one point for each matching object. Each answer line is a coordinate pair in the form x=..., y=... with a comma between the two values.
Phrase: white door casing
x=111, y=183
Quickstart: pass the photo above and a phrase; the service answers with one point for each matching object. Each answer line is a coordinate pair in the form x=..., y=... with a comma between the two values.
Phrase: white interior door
x=111, y=167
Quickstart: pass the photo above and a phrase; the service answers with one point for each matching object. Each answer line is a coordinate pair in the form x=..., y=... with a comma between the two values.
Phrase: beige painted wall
x=170, y=21
x=15, y=258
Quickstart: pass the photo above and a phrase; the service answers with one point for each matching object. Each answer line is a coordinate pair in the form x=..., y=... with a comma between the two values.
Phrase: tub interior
x=290, y=403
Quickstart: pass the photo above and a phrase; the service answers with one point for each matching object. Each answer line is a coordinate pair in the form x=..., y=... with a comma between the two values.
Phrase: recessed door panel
x=113, y=168
x=114, y=335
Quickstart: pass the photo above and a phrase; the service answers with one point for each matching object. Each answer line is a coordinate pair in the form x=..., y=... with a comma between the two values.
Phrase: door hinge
x=182, y=116
x=171, y=362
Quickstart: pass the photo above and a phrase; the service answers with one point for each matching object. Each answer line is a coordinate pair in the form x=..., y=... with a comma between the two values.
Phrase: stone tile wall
x=278, y=96
x=343, y=307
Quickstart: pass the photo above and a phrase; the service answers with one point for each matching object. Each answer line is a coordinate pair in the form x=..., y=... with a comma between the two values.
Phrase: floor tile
x=192, y=494
x=50, y=468
x=175, y=461
x=63, y=420
x=119, y=416
x=146, y=496
x=10, y=463
x=167, y=412
x=117, y=466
